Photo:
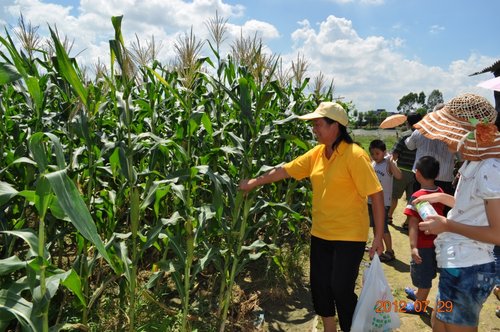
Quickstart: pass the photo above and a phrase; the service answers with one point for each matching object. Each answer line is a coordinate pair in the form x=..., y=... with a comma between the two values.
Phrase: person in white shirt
x=387, y=170
x=467, y=235
x=439, y=150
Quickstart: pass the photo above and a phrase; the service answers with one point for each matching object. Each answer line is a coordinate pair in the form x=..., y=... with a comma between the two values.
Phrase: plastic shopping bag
x=375, y=311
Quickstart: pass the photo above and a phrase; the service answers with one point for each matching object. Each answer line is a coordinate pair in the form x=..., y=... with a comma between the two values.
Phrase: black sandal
x=387, y=256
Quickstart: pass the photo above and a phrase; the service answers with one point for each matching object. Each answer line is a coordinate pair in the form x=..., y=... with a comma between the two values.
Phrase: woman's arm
x=378, y=220
x=489, y=234
x=442, y=198
x=274, y=175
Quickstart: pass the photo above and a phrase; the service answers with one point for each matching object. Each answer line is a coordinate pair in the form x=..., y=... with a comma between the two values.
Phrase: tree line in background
x=412, y=102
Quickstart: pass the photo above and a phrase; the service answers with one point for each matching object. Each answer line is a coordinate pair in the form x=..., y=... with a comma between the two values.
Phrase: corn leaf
x=6, y=192
x=11, y=264
x=121, y=250
x=176, y=244
x=29, y=236
x=8, y=73
x=72, y=281
x=51, y=287
x=73, y=205
x=42, y=196
x=67, y=70
x=117, y=25
x=20, y=308
x=36, y=93
x=38, y=151
x=245, y=100
x=207, y=124
x=14, y=54
x=56, y=143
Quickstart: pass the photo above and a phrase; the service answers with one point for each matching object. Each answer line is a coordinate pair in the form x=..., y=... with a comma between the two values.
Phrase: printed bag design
x=370, y=313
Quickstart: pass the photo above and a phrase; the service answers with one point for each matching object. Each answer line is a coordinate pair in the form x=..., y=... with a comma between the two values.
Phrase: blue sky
x=375, y=51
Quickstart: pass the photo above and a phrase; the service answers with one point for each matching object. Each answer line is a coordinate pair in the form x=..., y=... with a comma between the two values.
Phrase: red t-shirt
x=424, y=240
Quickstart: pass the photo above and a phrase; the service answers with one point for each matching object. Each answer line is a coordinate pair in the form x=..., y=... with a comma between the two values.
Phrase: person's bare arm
x=274, y=175
x=488, y=234
x=413, y=237
x=378, y=220
x=442, y=198
x=394, y=169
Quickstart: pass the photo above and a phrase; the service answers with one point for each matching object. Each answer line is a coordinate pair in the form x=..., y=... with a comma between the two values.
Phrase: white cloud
x=363, y=2
x=263, y=30
x=89, y=25
x=342, y=1
x=371, y=72
x=373, y=2
x=435, y=29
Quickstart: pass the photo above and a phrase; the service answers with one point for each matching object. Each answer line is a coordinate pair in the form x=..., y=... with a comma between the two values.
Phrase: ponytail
x=343, y=136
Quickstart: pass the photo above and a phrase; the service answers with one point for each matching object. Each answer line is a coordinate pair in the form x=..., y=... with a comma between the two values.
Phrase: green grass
x=364, y=141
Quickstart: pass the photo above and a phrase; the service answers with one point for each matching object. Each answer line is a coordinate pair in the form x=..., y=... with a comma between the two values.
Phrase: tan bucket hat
x=467, y=124
x=328, y=109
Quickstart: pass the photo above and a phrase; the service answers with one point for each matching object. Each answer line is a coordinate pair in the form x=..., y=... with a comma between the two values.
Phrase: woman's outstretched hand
x=246, y=185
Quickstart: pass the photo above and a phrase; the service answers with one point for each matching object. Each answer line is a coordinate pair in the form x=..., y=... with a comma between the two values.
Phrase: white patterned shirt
x=385, y=178
x=435, y=148
x=479, y=181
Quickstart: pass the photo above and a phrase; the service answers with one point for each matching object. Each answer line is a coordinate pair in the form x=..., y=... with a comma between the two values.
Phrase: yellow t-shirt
x=340, y=188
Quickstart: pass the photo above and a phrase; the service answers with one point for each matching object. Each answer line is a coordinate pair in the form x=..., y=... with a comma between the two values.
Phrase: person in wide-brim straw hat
x=467, y=235
x=467, y=125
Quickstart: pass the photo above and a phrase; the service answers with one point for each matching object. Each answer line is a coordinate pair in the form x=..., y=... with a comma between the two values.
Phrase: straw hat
x=466, y=124
x=330, y=110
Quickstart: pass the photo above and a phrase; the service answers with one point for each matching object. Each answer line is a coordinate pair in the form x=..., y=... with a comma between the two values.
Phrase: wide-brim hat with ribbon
x=330, y=110
x=467, y=124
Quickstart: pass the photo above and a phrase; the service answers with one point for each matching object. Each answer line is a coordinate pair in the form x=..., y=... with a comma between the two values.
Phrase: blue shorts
x=386, y=219
x=423, y=273
x=462, y=292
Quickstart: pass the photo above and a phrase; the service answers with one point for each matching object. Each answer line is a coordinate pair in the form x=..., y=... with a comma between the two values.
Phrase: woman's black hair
x=343, y=134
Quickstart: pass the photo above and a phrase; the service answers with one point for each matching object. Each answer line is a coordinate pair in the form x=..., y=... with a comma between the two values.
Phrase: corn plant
x=57, y=191
x=135, y=173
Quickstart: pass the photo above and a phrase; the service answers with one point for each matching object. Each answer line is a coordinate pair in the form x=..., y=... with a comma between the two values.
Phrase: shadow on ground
x=292, y=314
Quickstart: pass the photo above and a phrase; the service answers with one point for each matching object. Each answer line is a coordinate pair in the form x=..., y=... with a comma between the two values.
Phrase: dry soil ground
x=295, y=314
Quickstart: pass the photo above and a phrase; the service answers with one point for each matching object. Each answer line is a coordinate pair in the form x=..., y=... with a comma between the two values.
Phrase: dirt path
x=296, y=315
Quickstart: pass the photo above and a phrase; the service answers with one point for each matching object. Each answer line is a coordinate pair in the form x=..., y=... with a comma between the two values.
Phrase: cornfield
x=118, y=194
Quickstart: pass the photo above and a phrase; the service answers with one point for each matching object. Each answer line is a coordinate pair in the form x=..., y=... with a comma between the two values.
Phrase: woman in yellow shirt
x=342, y=178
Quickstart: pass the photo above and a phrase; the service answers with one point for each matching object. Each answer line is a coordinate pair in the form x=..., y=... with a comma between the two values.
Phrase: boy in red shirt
x=423, y=266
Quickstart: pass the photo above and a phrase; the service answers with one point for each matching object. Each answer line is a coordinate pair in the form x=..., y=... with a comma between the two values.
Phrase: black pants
x=334, y=270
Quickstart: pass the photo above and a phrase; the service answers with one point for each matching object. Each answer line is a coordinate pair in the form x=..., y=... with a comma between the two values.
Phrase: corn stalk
x=157, y=161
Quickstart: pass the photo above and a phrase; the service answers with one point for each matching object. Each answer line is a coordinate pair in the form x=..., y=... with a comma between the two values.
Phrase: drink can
x=425, y=209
